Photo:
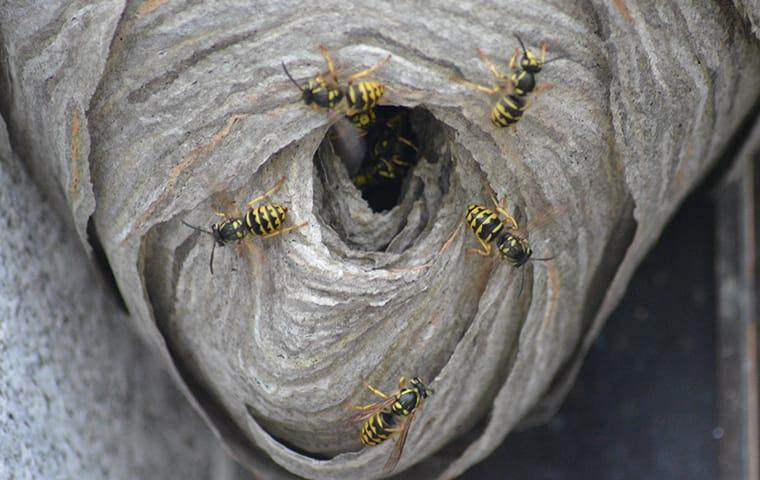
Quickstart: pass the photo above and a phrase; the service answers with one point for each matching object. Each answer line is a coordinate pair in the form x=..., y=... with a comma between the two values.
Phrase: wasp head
x=309, y=92
x=221, y=233
x=217, y=231
x=419, y=386
x=529, y=62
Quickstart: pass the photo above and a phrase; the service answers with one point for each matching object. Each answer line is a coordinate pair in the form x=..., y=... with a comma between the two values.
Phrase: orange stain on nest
x=623, y=9
x=680, y=178
x=76, y=126
x=149, y=6
x=184, y=164
x=554, y=285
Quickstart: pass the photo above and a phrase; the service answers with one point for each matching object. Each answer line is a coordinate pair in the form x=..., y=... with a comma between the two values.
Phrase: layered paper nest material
x=136, y=117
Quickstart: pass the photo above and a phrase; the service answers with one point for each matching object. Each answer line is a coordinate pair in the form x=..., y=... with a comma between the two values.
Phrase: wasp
x=390, y=151
x=362, y=121
x=392, y=415
x=354, y=98
x=488, y=227
x=264, y=221
x=513, y=89
x=499, y=227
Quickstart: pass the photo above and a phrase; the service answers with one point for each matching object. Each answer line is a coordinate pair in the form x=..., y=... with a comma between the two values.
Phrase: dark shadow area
x=390, y=154
x=644, y=404
x=103, y=265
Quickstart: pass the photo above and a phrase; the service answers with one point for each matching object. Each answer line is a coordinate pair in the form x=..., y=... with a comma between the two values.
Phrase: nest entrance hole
x=378, y=188
x=387, y=152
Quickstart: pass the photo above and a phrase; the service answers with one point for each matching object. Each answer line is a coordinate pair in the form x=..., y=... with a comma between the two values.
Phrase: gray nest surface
x=134, y=117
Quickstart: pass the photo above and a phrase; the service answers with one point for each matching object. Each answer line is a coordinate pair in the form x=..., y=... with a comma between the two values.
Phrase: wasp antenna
x=211, y=260
x=556, y=58
x=525, y=51
x=196, y=228
x=291, y=77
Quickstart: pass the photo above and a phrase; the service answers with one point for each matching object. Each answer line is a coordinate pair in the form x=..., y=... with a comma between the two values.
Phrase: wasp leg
x=369, y=71
x=400, y=162
x=486, y=251
x=542, y=88
x=443, y=248
x=477, y=86
x=429, y=264
x=221, y=214
x=451, y=238
x=374, y=390
x=402, y=382
x=513, y=59
x=285, y=230
x=502, y=209
x=330, y=65
x=544, y=48
x=408, y=143
x=387, y=163
x=269, y=193
x=491, y=66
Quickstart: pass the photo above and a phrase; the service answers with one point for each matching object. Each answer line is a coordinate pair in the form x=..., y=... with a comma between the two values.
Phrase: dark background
x=644, y=405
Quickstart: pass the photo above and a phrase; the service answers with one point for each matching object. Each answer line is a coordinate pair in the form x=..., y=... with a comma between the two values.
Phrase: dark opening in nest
x=378, y=186
x=381, y=156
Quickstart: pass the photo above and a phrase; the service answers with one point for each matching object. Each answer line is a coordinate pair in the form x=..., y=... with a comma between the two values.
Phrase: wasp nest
x=146, y=115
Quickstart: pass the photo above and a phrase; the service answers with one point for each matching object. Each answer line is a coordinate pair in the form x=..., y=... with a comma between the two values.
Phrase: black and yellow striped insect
x=362, y=121
x=513, y=89
x=499, y=227
x=354, y=98
x=523, y=77
x=393, y=415
x=488, y=227
x=390, y=150
x=264, y=221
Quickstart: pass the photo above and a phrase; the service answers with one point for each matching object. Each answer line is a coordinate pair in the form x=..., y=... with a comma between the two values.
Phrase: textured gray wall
x=80, y=395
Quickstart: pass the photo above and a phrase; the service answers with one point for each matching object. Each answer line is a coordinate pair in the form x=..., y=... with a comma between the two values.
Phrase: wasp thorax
x=409, y=398
x=515, y=249
x=228, y=231
x=321, y=94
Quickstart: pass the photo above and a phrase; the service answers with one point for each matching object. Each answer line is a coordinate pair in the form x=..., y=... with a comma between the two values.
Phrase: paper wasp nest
x=143, y=115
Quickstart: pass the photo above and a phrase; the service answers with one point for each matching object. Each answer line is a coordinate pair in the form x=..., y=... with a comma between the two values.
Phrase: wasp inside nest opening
x=381, y=192
x=379, y=151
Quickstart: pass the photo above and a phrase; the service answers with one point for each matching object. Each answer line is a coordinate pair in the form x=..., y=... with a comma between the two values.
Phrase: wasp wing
x=224, y=203
x=366, y=411
x=348, y=143
x=545, y=217
x=403, y=431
